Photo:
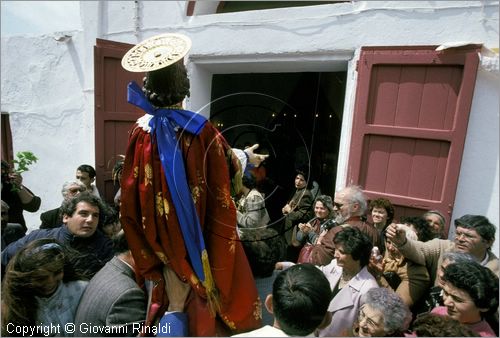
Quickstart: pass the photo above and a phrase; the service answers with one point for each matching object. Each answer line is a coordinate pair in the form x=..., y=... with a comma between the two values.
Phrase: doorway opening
x=295, y=117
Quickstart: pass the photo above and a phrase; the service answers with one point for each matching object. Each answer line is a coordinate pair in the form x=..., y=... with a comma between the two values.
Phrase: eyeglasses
x=338, y=205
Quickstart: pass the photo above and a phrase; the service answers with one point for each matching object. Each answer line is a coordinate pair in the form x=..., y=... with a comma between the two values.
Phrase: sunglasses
x=338, y=205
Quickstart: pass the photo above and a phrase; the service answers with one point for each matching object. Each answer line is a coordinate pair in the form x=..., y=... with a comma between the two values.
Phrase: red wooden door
x=7, y=152
x=114, y=116
x=410, y=120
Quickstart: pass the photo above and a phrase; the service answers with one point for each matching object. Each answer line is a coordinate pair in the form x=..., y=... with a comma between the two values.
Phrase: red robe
x=155, y=238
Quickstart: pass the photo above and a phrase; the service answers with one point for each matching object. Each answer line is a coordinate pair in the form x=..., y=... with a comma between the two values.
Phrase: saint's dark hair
x=167, y=86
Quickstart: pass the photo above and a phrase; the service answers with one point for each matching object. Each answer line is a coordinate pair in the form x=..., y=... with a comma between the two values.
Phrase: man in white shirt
x=86, y=174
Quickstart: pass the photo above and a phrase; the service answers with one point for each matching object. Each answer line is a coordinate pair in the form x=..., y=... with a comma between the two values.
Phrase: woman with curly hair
x=382, y=212
x=383, y=314
x=41, y=290
x=470, y=295
x=431, y=325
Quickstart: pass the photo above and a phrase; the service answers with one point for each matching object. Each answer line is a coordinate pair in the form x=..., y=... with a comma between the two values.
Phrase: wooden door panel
x=409, y=94
x=114, y=116
x=384, y=106
x=414, y=168
x=439, y=98
x=410, y=120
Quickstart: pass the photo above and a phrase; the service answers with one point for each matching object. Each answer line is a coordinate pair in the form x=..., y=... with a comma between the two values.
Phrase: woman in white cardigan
x=349, y=279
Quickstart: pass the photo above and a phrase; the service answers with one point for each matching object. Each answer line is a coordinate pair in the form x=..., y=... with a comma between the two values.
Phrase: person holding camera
x=17, y=196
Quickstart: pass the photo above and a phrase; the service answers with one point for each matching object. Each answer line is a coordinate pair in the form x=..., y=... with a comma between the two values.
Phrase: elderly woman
x=470, y=295
x=383, y=314
x=41, y=289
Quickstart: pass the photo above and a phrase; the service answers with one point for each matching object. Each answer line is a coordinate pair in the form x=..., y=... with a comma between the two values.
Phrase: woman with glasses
x=41, y=290
x=383, y=314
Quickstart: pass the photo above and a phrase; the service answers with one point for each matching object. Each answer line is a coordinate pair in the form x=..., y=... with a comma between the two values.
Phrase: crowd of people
x=82, y=271
x=193, y=251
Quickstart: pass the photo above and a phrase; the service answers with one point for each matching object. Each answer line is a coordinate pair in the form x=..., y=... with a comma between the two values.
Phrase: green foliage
x=20, y=165
x=24, y=159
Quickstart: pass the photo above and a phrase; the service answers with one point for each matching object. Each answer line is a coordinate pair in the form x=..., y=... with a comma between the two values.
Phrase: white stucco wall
x=47, y=86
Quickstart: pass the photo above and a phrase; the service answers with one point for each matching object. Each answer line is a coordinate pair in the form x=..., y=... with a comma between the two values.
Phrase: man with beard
x=349, y=206
x=474, y=235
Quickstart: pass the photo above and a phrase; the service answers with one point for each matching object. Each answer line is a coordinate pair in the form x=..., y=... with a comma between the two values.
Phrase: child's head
x=300, y=299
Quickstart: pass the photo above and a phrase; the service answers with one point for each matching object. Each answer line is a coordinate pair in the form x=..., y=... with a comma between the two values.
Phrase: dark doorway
x=296, y=117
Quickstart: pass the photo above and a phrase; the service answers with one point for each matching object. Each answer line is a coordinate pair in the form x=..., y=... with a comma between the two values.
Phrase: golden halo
x=156, y=52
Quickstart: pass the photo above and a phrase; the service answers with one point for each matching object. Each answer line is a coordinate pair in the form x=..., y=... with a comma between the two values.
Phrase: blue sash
x=163, y=126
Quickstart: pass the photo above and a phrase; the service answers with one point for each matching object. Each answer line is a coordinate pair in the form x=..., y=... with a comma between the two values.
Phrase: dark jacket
x=11, y=233
x=323, y=253
x=16, y=207
x=51, y=219
x=302, y=211
x=95, y=250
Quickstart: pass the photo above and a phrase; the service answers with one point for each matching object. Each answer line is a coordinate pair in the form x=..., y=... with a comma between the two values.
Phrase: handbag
x=305, y=254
